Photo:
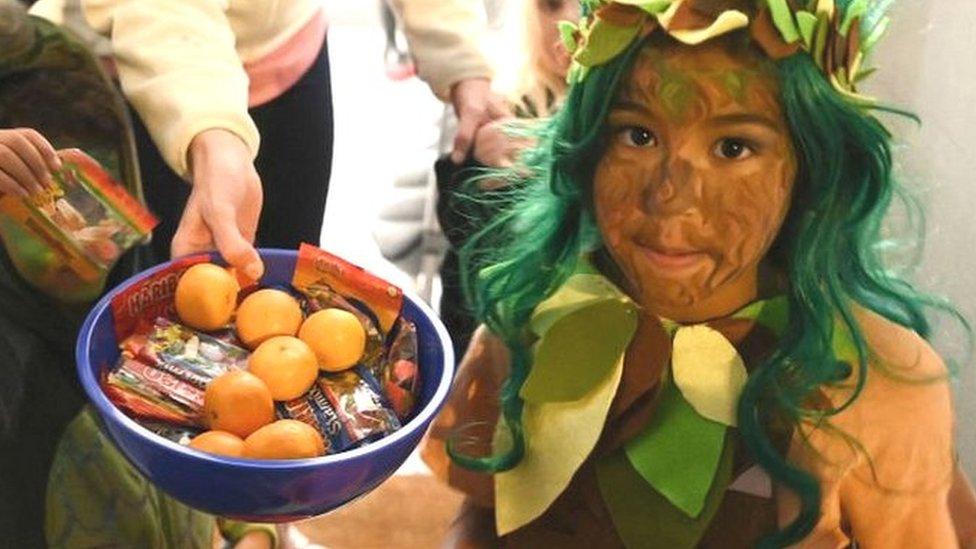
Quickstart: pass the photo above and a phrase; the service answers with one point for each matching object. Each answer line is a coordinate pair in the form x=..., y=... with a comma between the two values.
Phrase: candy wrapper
x=121, y=390
x=136, y=309
x=179, y=435
x=327, y=281
x=189, y=355
x=346, y=408
x=314, y=409
x=398, y=374
x=317, y=267
x=356, y=398
x=157, y=384
x=64, y=241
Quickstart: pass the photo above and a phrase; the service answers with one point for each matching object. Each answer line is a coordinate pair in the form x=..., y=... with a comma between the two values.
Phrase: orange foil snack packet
x=317, y=268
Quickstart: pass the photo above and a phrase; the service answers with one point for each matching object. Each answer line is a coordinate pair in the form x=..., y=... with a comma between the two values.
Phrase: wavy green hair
x=829, y=248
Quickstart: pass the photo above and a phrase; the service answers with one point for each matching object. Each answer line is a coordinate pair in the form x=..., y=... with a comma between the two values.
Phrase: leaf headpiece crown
x=838, y=39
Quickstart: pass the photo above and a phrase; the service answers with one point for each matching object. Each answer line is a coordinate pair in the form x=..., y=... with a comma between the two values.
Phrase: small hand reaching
x=26, y=162
x=475, y=105
x=497, y=143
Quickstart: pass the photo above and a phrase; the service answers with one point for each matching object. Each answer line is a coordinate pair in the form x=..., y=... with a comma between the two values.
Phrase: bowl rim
x=105, y=407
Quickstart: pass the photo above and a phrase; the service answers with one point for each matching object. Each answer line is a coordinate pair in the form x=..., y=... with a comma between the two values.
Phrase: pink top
x=273, y=74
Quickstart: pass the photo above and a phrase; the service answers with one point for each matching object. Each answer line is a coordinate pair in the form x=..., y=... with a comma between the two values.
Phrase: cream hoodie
x=180, y=62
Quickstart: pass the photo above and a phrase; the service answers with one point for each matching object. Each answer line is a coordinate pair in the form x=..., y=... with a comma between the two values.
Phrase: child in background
x=534, y=85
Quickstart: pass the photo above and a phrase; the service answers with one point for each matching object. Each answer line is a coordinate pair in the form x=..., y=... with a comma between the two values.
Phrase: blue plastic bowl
x=267, y=491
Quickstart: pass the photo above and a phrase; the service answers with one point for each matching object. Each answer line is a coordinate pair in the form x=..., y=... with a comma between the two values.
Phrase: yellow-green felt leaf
x=709, y=372
x=579, y=351
x=567, y=32
x=807, y=23
x=783, y=19
x=558, y=438
x=729, y=21
x=653, y=7
x=583, y=330
x=604, y=41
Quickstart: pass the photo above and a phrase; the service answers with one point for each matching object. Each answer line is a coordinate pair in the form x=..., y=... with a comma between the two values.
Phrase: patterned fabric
x=97, y=499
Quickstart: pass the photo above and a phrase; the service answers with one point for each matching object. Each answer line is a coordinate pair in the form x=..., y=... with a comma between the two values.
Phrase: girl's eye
x=733, y=149
x=551, y=6
x=636, y=136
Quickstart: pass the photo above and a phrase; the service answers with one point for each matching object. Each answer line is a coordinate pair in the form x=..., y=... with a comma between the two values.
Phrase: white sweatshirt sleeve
x=446, y=38
x=179, y=68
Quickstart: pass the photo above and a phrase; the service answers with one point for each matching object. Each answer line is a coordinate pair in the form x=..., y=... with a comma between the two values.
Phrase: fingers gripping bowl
x=269, y=491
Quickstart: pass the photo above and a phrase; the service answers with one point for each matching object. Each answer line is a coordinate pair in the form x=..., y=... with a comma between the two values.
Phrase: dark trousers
x=294, y=163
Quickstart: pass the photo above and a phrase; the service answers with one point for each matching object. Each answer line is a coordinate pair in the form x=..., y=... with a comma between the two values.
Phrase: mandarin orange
x=284, y=439
x=206, y=296
x=219, y=442
x=238, y=402
x=287, y=366
x=336, y=336
x=265, y=314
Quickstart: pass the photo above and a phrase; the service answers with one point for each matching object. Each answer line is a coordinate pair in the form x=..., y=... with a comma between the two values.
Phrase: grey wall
x=927, y=63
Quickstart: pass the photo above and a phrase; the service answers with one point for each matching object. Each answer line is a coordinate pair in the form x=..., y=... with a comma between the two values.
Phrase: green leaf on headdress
x=652, y=7
x=783, y=19
x=807, y=23
x=874, y=14
x=854, y=11
x=603, y=42
x=864, y=74
x=567, y=31
x=851, y=96
x=820, y=39
x=868, y=44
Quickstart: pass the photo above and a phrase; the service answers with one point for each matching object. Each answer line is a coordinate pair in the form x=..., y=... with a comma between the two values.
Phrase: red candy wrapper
x=359, y=404
x=158, y=384
x=194, y=357
x=398, y=374
x=318, y=268
x=142, y=407
x=136, y=308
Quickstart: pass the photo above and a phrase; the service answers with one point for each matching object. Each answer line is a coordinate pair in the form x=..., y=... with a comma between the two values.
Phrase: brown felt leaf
x=621, y=15
x=768, y=37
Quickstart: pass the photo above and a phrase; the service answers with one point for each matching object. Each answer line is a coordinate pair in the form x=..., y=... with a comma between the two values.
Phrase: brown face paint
x=692, y=191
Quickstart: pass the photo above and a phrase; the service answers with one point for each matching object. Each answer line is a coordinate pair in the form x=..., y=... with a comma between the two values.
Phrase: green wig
x=829, y=248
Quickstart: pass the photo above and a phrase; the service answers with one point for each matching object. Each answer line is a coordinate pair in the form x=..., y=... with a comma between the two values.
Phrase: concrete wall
x=927, y=63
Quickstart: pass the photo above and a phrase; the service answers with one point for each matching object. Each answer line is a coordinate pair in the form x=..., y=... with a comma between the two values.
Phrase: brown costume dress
x=906, y=428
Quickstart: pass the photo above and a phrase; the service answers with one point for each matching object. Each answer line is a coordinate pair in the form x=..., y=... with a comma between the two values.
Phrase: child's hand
x=26, y=162
x=496, y=147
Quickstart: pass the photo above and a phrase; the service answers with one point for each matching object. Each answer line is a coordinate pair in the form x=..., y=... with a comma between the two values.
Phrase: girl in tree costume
x=691, y=339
